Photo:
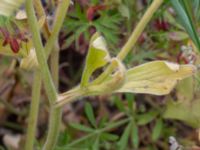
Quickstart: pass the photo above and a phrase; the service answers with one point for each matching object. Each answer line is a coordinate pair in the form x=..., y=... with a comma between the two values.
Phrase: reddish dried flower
x=160, y=24
x=91, y=11
x=21, y=37
x=14, y=42
x=14, y=45
x=4, y=32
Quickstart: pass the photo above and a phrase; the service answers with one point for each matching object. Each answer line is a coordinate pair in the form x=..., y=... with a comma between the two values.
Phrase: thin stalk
x=139, y=29
x=54, y=64
x=41, y=13
x=46, y=76
x=54, y=126
x=32, y=122
x=58, y=22
x=55, y=113
x=48, y=82
x=133, y=38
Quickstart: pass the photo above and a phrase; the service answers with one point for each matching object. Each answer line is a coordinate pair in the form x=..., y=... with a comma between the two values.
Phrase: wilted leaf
x=21, y=15
x=187, y=112
x=185, y=89
x=97, y=57
x=7, y=7
x=29, y=62
x=123, y=9
x=157, y=77
x=178, y=36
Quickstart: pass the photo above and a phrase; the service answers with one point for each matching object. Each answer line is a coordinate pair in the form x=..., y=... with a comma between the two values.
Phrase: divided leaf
x=97, y=57
x=7, y=7
x=157, y=77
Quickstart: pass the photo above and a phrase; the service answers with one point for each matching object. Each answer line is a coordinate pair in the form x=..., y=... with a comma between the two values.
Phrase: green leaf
x=134, y=135
x=81, y=127
x=64, y=138
x=146, y=118
x=130, y=98
x=184, y=14
x=109, y=137
x=119, y=104
x=157, y=130
x=7, y=7
x=97, y=57
x=157, y=77
x=95, y=145
x=123, y=9
x=90, y=114
x=124, y=138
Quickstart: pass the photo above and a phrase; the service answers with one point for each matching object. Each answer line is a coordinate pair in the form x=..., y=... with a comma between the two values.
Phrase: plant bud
x=30, y=62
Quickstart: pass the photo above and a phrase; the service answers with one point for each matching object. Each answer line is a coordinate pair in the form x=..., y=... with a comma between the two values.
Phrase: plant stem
x=55, y=113
x=54, y=64
x=58, y=22
x=132, y=39
x=54, y=126
x=41, y=13
x=32, y=122
x=48, y=83
x=139, y=29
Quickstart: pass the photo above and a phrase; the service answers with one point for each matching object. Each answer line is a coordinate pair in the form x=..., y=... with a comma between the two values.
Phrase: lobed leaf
x=157, y=77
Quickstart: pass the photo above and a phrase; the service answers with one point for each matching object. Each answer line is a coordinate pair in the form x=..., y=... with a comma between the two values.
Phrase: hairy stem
x=48, y=83
x=58, y=22
x=54, y=64
x=32, y=122
x=133, y=38
x=41, y=13
x=55, y=113
x=46, y=76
